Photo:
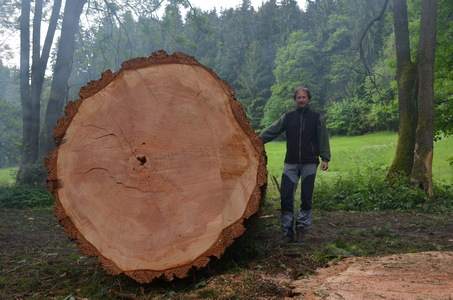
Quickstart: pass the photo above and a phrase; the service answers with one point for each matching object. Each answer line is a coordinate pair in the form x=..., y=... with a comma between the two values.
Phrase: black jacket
x=306, y=135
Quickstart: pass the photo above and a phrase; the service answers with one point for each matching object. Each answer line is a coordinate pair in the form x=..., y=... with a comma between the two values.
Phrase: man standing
x=306, y=140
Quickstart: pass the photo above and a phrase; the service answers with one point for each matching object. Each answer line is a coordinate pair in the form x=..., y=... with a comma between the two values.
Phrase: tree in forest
x=62, y=70
x=251, y=82
x=236, y=32
x=31, y=91
x=28, y=149
x=413, y=156
x=172, y=27
x=406, y=76
x=202, y=33
x=423, y=153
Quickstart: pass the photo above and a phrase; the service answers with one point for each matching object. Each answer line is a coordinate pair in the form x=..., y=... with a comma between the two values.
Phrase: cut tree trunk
x=156, y=167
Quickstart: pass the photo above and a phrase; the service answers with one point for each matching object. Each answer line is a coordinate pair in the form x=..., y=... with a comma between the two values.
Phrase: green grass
x=350, y=153
x=22, y=196
x=356, y=176
x=7, y=175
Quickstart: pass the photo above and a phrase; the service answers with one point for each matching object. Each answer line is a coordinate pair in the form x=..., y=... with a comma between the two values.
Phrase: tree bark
x=156, y=167
x=406, y=76
x=62, y=71
x=39, y=63
x=35, y=99
x=31, y=94
x=423, y=157
x=27, y=146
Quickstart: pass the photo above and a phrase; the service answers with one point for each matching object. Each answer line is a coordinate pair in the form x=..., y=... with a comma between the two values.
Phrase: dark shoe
x=300, y=234
x=288, y=237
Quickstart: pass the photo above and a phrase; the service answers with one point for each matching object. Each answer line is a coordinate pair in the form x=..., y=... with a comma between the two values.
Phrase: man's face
x=301, y=98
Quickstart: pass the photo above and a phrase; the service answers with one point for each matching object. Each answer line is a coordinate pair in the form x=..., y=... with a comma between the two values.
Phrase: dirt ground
x=39, y=262
x=423, y=275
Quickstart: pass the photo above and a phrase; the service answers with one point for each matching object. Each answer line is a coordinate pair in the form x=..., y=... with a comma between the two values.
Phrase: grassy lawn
x=374, y=151
x=7, y=175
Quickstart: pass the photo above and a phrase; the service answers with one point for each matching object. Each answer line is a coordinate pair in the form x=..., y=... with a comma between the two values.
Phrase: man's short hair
x=303, y=88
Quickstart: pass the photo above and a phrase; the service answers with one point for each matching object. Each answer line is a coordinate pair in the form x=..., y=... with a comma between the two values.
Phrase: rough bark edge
x=228, y=234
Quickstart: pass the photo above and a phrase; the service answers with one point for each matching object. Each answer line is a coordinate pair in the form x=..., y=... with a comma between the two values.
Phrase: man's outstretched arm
x=274, y=130
x=323, y=140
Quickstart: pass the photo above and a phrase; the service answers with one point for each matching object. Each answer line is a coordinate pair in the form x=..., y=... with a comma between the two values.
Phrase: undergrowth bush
x=355, y=116
x=366, y=189
x=24, y=196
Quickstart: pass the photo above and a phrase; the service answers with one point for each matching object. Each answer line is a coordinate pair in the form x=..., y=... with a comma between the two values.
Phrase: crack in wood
x=95, y=126
x=122, y=133
x=104, y=135
x=174, y=187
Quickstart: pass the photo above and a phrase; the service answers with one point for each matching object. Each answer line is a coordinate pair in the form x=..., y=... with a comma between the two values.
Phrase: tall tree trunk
x=31, y=94
x=27, y=145
x=62, y=71
x=35, y=99
x=406, y=75
x=423, y=157
x=40, y=60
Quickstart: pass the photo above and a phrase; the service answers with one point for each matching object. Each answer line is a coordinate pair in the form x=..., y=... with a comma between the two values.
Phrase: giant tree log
x=155, y=167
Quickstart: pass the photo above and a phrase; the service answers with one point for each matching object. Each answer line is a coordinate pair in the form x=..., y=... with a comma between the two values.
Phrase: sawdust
x=424, y=275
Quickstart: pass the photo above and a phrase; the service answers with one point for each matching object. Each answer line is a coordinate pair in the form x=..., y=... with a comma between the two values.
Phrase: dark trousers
x=290, y=178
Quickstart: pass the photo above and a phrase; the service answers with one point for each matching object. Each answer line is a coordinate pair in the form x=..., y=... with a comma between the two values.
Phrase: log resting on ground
x=156, y=167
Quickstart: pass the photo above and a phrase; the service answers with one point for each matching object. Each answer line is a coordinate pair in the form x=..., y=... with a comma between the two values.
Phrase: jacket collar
x=303, y=109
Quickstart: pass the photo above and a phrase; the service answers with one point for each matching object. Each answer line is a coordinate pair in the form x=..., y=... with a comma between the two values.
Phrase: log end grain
x=140, y=168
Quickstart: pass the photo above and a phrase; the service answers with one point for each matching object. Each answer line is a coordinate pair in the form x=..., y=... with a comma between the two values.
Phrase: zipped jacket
x=306, y=135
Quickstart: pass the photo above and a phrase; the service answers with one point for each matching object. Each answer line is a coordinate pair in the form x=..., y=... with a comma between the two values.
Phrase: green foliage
x=444, y=117
x=383, y=116
x=348, y=117
x=450, y=160
x=252, y=81
x=443, y=84
x=10, y=133
x=385, y=66
x=24, y=196
x=32, y=174
x=366, y=189
x=265, y=52
x=10, y=115
x=354, y=116
x=324, y=57
x=8, y=176
x=293, y=65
